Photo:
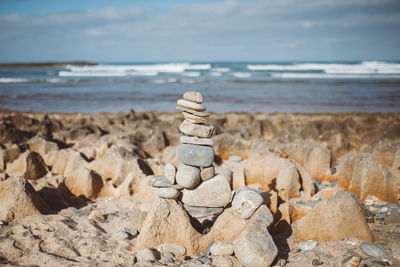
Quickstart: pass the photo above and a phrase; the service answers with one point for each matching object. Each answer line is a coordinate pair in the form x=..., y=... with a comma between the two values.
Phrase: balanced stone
x=190, y=104
x=196, y=140
x=194, y=112
x=193, y=96
x=221, y=248
x=194, y=155
x=202, y=212
x=172, y=193
x=198, y=130
x=212, y=193
x=193, y=118
x=188, y=176
x=207, y=173
x=246, y=201
x=162, y=182
x=170, y=172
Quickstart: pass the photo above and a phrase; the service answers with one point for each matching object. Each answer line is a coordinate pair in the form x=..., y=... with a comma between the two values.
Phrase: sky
x=199, y=30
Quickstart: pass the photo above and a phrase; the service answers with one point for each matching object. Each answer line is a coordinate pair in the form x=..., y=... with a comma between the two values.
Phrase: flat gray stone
x=246, y=201
x=221, y=248
x=202, y=212
x=196, y=140
x=191, y=105
x=198, y=130
x=207, y=173
x=192, y=111
x=188, y=176
x=212, y=193
x=193, y=118
x=161, y=181
x=170, y=172
x=195, y=155
x=254, y=246
x=193, y=96
x=372, y=249
x=169, y=193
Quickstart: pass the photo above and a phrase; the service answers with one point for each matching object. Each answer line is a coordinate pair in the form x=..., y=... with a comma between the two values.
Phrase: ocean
x=306, y=87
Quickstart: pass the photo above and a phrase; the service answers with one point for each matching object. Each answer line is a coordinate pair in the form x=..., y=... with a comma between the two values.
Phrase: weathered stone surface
x=9, y=155
x=145, y=254
x=161, y=181
x=371, y=249
x=226, y=172
x=235, y=158
x=202, y=212
x=333, y=219
x=287, y=183
x=168, y=222
x=207, y=173
x=65, y=161
x=18, y=199
x=254, y=246
x=195, y=140
x=194, y=155
x=171, y=193
x=193, y=118
x=84, y=182
x=198, y=130
x=192, y=111
x=41, y=146
x=212, y=193
x=190, y=105
x=170, y=172
x=363, y=176
x=188, y=176
x=226, y=145
x=237, y=168
x=246, y=201
x=221, y=248
x=29, y=165
x=176, y=249
x=193, y=96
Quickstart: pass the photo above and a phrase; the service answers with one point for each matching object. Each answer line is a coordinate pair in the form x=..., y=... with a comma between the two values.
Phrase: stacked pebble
x=203, y=192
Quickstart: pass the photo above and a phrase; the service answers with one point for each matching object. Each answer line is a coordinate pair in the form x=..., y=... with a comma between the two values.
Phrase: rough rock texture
x=360, y=174
x=191, y=129
x=212, y=193
x=168, y=222
x=18, y=199
x=246, y=201
x=84, y=182
x=333, y=219
x=254, y=246
x=29, y=165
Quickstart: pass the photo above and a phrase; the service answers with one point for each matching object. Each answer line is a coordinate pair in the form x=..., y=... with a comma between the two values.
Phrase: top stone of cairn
x=193, y=96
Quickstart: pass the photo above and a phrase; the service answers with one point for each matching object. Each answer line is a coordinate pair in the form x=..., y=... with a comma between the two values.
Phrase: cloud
x=218, y=30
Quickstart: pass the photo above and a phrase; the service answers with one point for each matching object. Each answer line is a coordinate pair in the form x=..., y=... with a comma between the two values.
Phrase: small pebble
x=308, y=245
x=316, y=262
x=372, y=249
x=235, y=158
x=145, y=254
x=125, y=235
x=1, y=222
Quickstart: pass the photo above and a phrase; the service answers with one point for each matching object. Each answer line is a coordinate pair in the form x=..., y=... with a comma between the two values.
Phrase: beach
x=75, y=190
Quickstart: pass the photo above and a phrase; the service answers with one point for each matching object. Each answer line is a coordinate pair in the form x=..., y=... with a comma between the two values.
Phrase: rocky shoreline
x=75, y=189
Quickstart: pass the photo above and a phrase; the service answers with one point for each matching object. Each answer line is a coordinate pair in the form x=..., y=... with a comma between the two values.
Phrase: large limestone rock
x=254, y=246
x=226, y=145
x=65, y=161
x=84, y=182
x=287, y=183
x=29, y=165
x=168, y=222
x=333, y=219
x=18, y=199
x=212, y=193
x=41, y=146
x=8, y=156
x=360, y=174
x=246, y=201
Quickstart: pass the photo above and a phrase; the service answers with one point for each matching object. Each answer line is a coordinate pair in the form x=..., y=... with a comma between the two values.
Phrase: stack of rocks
x=203, y=192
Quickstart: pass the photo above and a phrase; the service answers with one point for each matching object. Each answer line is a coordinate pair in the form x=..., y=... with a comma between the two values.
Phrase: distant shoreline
x=45, y=64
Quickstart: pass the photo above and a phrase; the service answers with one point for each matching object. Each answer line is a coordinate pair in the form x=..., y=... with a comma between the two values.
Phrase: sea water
x=310, y=87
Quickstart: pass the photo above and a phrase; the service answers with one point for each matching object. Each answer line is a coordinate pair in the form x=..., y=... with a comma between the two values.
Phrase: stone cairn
x=203, y=192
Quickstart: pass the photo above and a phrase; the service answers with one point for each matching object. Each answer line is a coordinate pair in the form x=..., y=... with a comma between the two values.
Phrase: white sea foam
x=242, y=74
x=291, y=75
x=169, y=80
x=131, y=70
x=15, y=80
x=221, y=69
x=365, y=67
x=191, y=73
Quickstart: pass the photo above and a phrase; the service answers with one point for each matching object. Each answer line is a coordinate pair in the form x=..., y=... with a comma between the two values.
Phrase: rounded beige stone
x=191, y=105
